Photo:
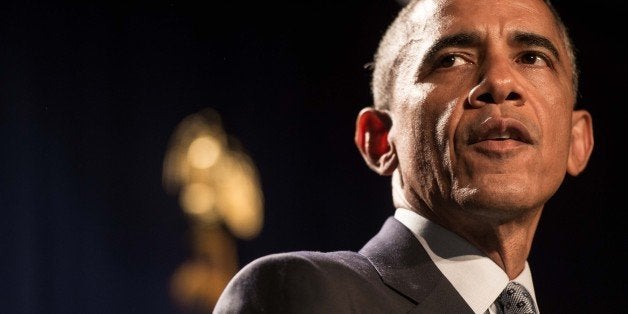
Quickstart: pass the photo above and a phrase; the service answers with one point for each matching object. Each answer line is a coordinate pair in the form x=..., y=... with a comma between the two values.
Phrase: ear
x=581, y=142
x=371, y=138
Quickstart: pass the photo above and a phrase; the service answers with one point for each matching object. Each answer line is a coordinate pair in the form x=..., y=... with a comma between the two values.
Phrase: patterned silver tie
x=515, y=299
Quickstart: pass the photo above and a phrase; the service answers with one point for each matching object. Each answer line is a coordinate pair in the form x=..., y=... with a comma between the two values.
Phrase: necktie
x=515, y=299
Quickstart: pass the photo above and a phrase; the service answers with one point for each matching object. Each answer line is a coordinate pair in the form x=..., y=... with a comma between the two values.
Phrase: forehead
x=431, y=18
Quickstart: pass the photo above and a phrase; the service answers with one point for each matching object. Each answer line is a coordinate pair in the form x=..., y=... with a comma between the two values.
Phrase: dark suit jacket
x=392, y=273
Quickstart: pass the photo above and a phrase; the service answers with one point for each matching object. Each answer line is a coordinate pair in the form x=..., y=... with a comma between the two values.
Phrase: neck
x=505, y=240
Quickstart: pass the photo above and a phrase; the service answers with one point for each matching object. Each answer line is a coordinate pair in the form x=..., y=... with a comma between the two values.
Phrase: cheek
x=427, y=126
x=429, y=118
x=447, y=108
x=557, y=142
x=554, y=119
x=445, y=129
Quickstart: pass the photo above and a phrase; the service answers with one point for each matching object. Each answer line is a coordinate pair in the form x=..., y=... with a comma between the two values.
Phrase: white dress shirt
x=475, y=276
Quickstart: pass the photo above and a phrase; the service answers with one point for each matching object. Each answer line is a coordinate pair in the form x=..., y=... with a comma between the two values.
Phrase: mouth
x=500, y=130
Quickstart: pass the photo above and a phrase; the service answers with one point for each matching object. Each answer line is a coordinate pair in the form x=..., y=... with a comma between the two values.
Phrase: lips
x=500, y=129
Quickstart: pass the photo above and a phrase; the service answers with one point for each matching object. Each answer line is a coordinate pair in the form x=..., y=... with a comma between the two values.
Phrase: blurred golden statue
x=219, y=190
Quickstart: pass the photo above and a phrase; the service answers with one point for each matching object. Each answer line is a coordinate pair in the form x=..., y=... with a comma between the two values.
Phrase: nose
x=499, y=83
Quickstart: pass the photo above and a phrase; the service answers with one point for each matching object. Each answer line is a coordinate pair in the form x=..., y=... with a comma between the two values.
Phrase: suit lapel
x=405, y=267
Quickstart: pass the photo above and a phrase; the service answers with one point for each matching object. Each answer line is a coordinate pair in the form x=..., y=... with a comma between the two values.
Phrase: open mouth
x=500, y=129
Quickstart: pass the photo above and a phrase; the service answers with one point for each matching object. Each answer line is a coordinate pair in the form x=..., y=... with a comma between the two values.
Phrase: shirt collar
x=475, y=276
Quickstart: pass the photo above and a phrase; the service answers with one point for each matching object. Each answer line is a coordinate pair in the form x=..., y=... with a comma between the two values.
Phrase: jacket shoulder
x=285, y=282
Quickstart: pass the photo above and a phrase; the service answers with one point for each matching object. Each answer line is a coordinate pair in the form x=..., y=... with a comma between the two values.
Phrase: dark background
x=91, y=91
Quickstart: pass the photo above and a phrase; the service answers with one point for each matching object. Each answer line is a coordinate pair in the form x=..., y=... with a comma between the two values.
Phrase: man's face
x=481, y=105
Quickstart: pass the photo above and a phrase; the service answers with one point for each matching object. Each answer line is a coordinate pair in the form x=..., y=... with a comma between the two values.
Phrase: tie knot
x=515, y=299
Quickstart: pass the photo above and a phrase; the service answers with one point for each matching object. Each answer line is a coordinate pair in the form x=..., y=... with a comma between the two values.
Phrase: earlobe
x=581, y=142
x=371, y=138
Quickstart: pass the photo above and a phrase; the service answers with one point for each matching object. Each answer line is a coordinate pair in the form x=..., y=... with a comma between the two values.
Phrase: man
x=474, y=119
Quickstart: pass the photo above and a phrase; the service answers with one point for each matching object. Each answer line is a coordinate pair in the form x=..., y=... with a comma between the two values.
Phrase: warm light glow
x=203, y=152
x=219, y=190
x=198, y=282
x=216, y=182
x=199, y=199
x=240, y=204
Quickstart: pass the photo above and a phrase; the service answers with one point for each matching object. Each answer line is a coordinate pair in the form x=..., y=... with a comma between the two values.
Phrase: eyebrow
x=456, y=40
x=472, y=39
x=534, y=40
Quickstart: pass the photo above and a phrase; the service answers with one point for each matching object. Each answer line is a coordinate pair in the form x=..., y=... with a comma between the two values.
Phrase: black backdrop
x=91, y=91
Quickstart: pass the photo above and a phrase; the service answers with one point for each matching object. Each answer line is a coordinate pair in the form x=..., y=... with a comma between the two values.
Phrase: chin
x=499, y=202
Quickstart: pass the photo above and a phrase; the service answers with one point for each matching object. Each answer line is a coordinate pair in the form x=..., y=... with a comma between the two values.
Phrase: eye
x=450, y=61
x=534, y=58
